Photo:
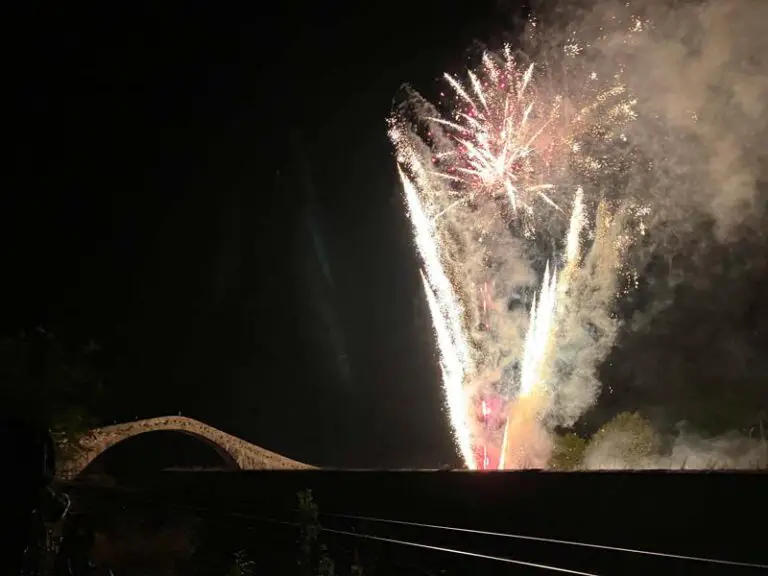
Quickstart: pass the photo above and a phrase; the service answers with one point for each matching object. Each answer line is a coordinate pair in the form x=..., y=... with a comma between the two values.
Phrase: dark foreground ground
x=195, y=518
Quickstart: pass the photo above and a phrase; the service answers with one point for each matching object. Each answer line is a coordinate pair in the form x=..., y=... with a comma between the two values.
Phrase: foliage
x=242, y=565
x=309, y=530
x=58, y=384
x=628, y=437
x=314, y=559
x=567, y=452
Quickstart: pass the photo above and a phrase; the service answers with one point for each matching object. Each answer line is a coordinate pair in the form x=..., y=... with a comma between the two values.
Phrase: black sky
x=167, y=158
x=208, y=191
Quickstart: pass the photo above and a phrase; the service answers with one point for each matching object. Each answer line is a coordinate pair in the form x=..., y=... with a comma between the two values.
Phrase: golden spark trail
x=542, y=326
x=446, y=318
x=539, y=333
x=543, y=317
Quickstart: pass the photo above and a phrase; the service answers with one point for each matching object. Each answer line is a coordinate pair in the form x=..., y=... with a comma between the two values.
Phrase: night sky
x=209, y=192
x=178, y=167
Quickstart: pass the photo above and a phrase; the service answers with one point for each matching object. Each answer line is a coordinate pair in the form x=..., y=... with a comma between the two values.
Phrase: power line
x=461, y=530
x=371, y=537
x=460, y=552
x=554, y=541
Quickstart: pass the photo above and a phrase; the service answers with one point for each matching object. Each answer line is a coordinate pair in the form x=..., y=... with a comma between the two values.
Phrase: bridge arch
x=158, y=450
x=235, y=452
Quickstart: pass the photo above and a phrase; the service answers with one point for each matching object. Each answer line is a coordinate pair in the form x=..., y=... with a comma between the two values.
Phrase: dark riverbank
x=713, y=514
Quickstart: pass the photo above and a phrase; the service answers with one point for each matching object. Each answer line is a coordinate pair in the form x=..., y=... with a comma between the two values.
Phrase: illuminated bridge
x=234, y=452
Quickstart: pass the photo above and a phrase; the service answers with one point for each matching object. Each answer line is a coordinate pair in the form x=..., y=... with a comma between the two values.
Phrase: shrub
x=567, y=452
x=627, y=441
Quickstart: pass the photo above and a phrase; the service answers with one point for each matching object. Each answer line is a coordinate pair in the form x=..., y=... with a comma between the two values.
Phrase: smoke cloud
x=699, y=74
x=686, y=451
x=664, y=109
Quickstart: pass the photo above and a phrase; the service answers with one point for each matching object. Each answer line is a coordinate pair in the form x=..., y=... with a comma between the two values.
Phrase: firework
x=446, y=314
x=503, y=164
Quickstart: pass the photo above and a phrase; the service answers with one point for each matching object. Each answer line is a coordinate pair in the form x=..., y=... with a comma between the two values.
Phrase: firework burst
x=501, y=135
x=506, y=158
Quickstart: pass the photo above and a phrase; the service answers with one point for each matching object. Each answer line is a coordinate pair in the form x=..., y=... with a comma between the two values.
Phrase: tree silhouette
x=57, y=384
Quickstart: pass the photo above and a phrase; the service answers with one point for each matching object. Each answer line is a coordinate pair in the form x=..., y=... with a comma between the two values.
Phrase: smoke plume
x=686, y=451
x=699, y=74
x=653, y=114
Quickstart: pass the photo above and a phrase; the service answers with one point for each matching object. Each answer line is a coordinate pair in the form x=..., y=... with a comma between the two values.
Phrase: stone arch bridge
x=236, y=452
